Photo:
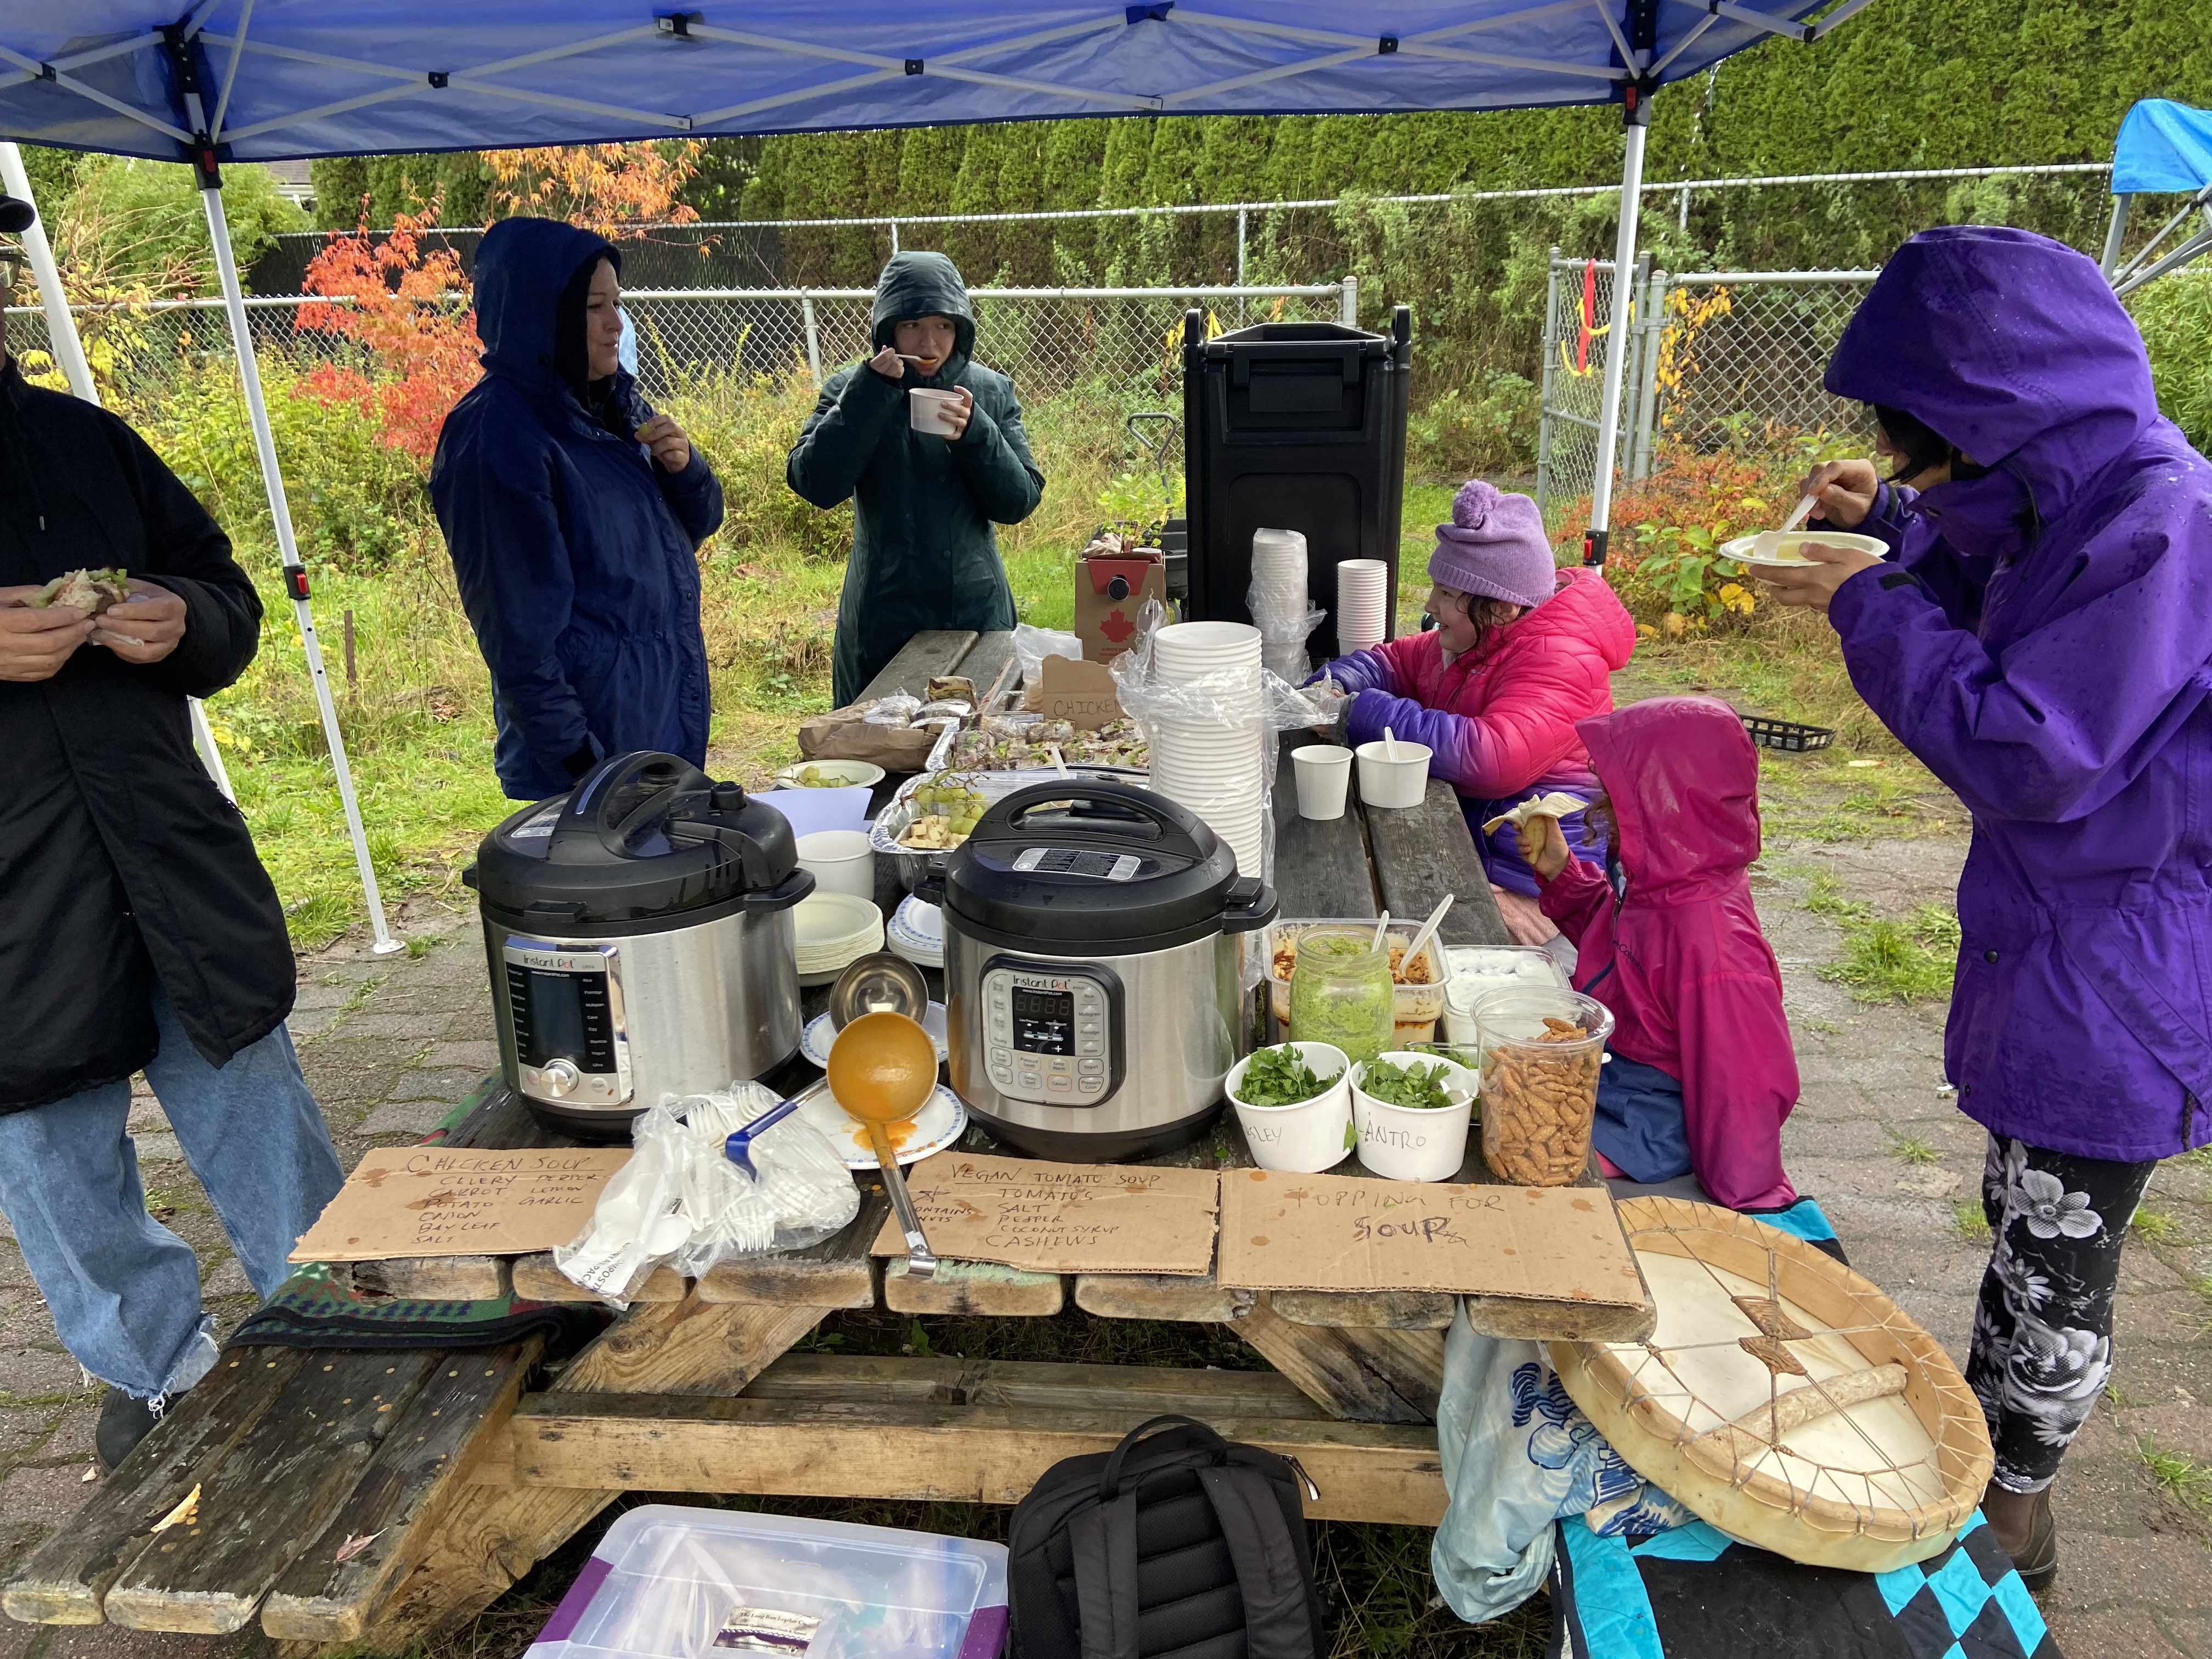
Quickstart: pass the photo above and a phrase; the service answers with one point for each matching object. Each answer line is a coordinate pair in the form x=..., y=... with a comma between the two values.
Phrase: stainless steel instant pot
x=1094, y=942
x=638, y=933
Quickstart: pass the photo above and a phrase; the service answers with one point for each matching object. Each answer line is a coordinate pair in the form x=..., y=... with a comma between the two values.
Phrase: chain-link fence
x=1717, y=359
x=1049, y=340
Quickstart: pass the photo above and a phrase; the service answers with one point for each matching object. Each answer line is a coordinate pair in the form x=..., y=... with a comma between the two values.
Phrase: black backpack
x=1184, y=1546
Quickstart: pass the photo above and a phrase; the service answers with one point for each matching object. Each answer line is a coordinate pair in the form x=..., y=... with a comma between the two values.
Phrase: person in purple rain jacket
x=2040, y=636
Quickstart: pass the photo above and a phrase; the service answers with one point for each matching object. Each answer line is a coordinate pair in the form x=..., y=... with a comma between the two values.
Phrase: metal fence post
x=1654, y=326
x=1347, y=302
x=813, y=337
x=1544, y=382
x=1628, y=337
x=895, y=246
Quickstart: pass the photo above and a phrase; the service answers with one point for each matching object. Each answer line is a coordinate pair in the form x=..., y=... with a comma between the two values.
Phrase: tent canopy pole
x=1636, y=112
x=295, y=574
x=2115, y=234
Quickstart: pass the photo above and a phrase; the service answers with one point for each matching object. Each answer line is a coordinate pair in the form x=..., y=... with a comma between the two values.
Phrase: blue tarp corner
x=2163, y=147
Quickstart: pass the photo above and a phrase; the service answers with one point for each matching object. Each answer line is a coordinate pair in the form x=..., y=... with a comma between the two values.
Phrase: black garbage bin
x=1293, y=426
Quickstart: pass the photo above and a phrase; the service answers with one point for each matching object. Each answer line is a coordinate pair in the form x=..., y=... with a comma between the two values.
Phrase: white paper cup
x=1306, y=1137
x=1393, y=783
x=928, y=409
x=841, y=861
x=1324, y=775
x=1415, y=1143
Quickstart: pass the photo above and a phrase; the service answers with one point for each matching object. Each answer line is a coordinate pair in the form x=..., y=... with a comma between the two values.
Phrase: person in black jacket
x=138, y=930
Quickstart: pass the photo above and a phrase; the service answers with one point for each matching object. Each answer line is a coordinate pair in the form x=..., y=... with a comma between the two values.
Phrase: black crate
x=1787, y=735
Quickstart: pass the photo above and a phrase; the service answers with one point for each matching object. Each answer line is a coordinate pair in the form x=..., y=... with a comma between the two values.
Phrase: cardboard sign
x=1061, y=1217
x=1296, y=1232
x=1080, y=693
x=430, y=1200
x=1109, y=596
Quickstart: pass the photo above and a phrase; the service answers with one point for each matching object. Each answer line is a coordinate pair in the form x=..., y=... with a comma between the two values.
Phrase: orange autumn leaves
x=403, y=303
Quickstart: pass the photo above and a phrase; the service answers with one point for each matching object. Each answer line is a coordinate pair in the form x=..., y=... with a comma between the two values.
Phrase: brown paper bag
x=843, y=734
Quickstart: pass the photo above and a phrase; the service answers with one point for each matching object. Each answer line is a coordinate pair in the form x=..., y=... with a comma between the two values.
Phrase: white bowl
x=1393, y=783
x=928, y=409
x=842, y=862
x=1309, y=1136
x=1415, y=1143
x=835, y=774
x=1775, y=550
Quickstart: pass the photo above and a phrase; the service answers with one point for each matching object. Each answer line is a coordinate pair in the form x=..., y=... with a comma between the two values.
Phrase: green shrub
x=1489, y=427
x=2175, y=315
x=356, y=502
x=151, y=230
x=745, y=425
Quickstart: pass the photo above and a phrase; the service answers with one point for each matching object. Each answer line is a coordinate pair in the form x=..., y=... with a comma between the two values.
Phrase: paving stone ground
x=391, y=1043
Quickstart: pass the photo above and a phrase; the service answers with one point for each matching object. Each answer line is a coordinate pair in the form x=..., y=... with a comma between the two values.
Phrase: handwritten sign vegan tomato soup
x=429, y=1201
x=1298, y=1233
x=1061, y=1217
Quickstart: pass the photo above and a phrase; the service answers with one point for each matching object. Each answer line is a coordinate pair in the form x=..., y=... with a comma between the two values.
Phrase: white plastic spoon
x=1374, y=947
x=1428, y=930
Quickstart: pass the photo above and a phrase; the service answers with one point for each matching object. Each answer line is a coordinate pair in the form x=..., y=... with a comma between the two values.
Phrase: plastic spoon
x=1058, y=765
x=883, y=1067
x=1800, y=513
x=1375, y=945
x=1428, y=930
x=1389, y=744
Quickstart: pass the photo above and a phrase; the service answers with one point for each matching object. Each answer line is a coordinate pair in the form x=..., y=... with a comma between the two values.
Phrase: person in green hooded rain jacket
x=924, y=554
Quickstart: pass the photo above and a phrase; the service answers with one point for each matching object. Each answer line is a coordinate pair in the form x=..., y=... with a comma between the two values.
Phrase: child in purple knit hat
x=1520, y=652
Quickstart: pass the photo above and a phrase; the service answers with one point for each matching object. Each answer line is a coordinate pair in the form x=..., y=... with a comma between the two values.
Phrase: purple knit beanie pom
x=1494, y=547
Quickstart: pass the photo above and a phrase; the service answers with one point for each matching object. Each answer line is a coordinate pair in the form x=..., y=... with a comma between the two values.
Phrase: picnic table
x=374, y=1497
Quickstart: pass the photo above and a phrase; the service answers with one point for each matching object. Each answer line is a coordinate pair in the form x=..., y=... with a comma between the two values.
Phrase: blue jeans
x=124, y=1290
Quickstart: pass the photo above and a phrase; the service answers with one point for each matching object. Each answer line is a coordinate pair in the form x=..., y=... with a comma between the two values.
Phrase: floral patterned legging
x=2043, y=1333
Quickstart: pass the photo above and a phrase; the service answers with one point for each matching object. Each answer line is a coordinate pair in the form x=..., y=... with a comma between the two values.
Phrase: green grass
x=1824, y=1027
x=2157, y=1227
x=2182, y=1478
x=1912, y=1150
x=1886, y=960
x=1969, y=1223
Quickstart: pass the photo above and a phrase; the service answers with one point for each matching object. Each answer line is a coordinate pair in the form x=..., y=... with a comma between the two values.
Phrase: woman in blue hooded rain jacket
x=574, y=514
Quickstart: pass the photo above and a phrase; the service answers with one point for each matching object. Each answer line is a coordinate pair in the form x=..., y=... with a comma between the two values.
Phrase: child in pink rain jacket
x=1703, y=1073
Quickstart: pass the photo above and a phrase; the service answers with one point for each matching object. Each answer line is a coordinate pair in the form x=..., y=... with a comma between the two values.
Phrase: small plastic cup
x=928, y=409
x=1324, y=776
x=1394, y=784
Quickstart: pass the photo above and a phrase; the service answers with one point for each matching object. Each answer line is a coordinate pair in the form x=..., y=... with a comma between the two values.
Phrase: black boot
x=124, y=1421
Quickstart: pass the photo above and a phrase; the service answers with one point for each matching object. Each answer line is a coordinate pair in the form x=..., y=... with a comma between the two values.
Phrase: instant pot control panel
x=1052, y=1031
x=565, y=1008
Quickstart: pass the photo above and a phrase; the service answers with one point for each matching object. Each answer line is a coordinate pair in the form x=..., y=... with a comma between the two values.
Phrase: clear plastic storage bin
x=681, y=1583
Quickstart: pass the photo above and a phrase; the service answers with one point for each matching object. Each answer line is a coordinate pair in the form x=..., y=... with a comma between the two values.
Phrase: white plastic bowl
x=836, y=774
x=842, y=862
x=1307, y=1136
x=1415, y=1143
x=1389, y=783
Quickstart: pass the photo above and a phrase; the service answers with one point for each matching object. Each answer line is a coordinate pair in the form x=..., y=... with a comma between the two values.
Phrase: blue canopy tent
x=272, y=79
x=2164, y=149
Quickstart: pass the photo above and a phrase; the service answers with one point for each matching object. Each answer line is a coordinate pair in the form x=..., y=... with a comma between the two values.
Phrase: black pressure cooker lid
x=1092, y=863
x=642, y=837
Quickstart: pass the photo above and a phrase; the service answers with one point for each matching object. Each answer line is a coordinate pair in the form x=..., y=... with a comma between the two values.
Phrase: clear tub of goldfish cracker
x=1540, y=1052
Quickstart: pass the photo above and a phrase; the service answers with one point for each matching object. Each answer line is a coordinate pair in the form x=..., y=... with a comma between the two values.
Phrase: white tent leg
x=1616, y=344
x=295, y=578
x=2114, y=234
x=69, y=352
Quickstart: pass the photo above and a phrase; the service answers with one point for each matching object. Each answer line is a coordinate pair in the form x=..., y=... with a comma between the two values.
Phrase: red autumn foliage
x=1725, y=492
x=408, y=308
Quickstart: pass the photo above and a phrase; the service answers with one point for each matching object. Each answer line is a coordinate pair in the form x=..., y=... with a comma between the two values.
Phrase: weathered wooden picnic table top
x=370, y=1498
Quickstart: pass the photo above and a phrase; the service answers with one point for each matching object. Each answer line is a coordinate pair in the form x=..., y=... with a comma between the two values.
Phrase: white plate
x=1744, y=550
x=922, y=924
x=919, y=958
x=840, y=773
x=941, y=1122
x=821, y=1031
x=825, y=923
